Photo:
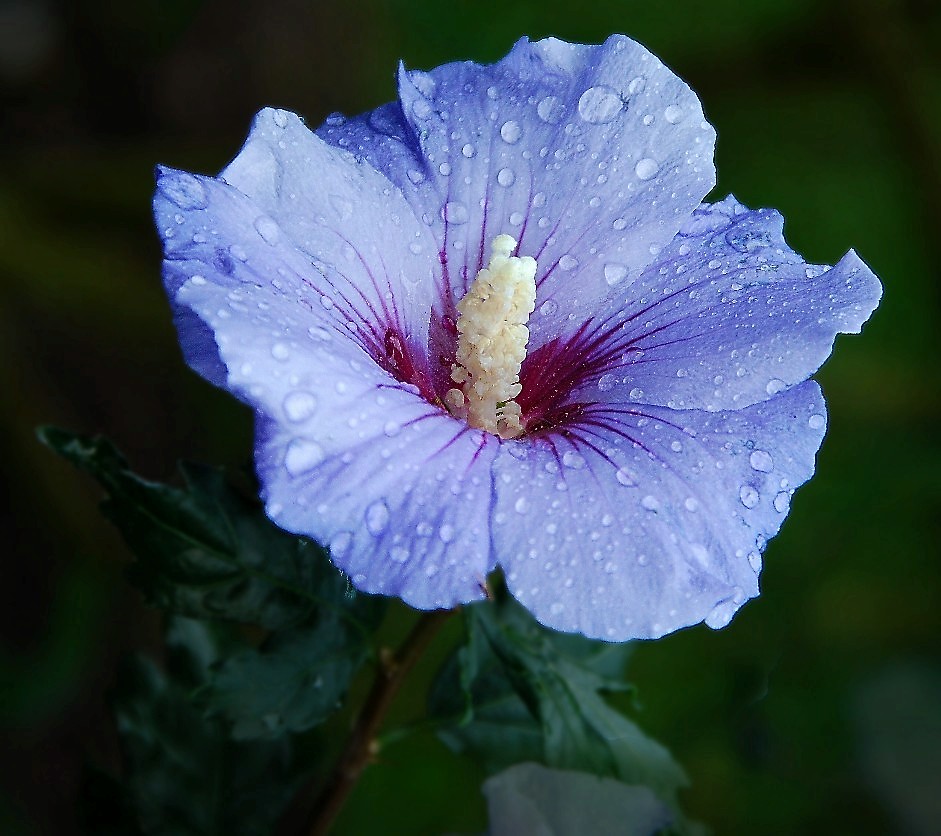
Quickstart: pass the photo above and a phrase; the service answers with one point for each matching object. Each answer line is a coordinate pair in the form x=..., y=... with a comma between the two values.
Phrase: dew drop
x=748, y=496
x=468, y=150
x=280, y=351
x=606, y=382
x=574, y=460
x=614, y=273
x=446, y=533
x=511, y=131
x=637, y=85
x=816, y=422
x=299, y=406
x=280, y=118
x=455, y=212
x=599, y=104
x=516, y=218
x=782, y=502
x=550, y=109
x=238, y=252
x=521, y=505
x=267, y=229
x=624, y=477
x=302, y=455
x=416, y=176
x=646, y=168
x=774, y=386
x=673, y=114
x=340, y=543
x=398, y=554
x=377, y=518
x=761, y=461
x=421, y=108
x=549, y=308
x=505, y=177
x=568, y=262
x=650, y=503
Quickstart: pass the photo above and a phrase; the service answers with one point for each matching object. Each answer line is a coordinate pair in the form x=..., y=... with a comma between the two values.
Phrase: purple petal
x=210, y=234
x=400, y=492
x=346, y=453
x=588, y=155
x=378, y=259
x=642, y=522
x=728, y=315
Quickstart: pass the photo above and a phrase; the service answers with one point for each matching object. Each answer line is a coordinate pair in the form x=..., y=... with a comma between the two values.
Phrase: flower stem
x=361, y=747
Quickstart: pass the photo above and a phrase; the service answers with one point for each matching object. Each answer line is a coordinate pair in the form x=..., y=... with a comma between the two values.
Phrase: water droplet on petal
x=774, y=386
x=398, y=554
x=521, y=505
x=549, y=307
x=455, y=212
x=550, y=109
x=568, y=262
x=614, y=273
x=646, y=168
x=468, y=150
x=280, y=118
x=340, y=544
x=782, y=502
x=606, y=382
x=505, y=177
x=624, y=477
x=748, y=496
x=574, y=460
x=302, y=455
x=673, y=114
x=267, y=229
x=299, y=406
x=280, y=351
x=599, y=104
x=446, y=533
x=377, y=518
x=761, y=461
x=650, y=503
x=817, y=422
x=511, y=131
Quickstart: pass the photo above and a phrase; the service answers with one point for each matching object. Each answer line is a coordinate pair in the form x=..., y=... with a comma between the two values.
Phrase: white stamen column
x=492, y=338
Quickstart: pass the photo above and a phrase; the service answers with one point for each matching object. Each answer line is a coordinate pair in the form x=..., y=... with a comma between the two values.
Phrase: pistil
x=492, y=338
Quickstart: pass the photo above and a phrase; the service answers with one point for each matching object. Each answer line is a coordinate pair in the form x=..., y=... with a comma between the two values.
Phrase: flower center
x=491, y=345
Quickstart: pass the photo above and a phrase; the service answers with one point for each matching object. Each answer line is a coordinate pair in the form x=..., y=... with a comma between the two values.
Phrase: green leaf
x=537, y=695
x=206, y=550
x=291, y=684
x=183, y=774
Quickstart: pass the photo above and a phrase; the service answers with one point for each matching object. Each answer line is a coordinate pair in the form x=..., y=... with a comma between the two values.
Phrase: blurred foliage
x=828, y=111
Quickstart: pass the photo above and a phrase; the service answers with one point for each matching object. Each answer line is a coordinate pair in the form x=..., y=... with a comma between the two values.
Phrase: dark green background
x=818, y=710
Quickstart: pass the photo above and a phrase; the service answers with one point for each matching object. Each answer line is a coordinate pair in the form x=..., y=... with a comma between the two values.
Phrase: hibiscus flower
x=492, y=324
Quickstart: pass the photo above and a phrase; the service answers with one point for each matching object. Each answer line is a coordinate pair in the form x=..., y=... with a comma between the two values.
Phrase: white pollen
x=492, y=338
